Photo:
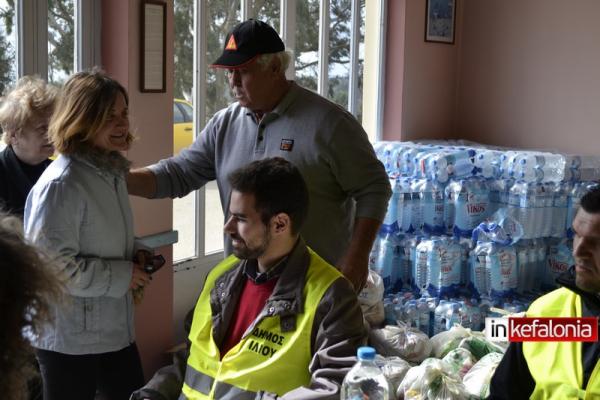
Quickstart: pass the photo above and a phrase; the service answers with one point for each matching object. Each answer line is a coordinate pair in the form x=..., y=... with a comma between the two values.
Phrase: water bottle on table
x=365, y=380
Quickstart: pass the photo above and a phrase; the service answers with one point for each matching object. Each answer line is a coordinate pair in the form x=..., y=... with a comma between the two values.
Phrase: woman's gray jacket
x=82, y=214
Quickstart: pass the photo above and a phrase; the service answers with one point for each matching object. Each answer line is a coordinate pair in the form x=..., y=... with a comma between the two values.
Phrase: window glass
x=188, y=112
x=340, y=16
x=184, y=209
x=361, y=61
x=223, y=15
x=61, y=30
x=177, y=114
x=306, y=56
x=8, y=65
x=267, y=11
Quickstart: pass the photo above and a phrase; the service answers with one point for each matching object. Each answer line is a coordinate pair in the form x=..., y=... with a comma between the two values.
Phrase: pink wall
x=151, y=116
x=421, y=77
x=530, y=74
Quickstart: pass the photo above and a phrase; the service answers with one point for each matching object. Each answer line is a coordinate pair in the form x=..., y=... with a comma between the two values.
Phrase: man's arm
x=512, y=379
x=355, y=263
x=141, y=182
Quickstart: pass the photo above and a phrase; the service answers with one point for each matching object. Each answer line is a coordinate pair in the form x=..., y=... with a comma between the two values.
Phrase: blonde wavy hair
x=27, y=288
x=31, y=96
x=84, y=106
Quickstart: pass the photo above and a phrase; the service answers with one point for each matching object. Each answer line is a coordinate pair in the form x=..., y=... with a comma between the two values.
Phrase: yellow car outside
x=183, y=130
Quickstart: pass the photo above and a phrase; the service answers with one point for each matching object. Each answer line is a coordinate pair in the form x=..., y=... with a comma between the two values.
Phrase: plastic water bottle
x=391, y=216
x=424, y=319
x=589, y=168
x=365, y=380
x=404, y=204
x=471, y=205
x=421, y=265
x=432, y=204
x=503, y=271
x=388, y=260
x=479, y=280
x=526, y=269
x=416, y=207
x=439, y=319
x=559, y=209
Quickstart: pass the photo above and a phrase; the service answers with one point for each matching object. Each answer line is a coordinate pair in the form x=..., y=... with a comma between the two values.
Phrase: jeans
x=114, y=375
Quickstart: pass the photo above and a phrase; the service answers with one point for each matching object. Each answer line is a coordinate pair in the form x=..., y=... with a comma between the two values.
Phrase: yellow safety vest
x=266, y=359
x=557, y=367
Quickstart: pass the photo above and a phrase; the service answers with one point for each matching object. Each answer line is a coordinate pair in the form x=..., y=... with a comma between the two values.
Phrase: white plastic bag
x=432, y=380
x=460, y=361
x=477, y=380
x=394, y=369
x=445, y=342
x=372, y=293
x=408, y=343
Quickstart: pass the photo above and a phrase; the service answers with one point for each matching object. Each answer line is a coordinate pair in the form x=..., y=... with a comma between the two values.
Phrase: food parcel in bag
x=408, y=343
x=477, y=380
x=371, y=300
x=432, y=380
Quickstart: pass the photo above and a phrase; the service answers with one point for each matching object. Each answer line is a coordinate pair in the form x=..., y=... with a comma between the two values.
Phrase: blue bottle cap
x=366, y=353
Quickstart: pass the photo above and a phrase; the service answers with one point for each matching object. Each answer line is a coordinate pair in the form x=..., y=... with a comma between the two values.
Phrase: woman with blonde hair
x=24, y=115
x=80, y=209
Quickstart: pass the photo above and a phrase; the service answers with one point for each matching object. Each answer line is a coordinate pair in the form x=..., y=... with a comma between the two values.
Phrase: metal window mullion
x=288, y=31
x=199, y=100
x=381, y=72
x=88, y=21
x=354, y=42
x=32, y=38
x=323, y=47
x=245, y=9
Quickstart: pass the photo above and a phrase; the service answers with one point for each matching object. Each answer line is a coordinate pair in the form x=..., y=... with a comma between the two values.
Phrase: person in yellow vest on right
x=561, y=370
x=274, y=320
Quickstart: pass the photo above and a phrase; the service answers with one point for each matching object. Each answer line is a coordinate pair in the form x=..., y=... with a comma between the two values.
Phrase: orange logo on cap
x=231, y=45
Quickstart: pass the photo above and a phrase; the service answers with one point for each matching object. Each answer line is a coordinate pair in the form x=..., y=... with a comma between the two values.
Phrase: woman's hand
x=139, y=278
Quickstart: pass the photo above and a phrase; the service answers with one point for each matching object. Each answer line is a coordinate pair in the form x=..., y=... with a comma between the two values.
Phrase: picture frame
x=440, y=21
x=153, y=46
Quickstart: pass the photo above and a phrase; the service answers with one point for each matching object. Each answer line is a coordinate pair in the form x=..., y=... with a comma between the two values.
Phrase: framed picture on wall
x=440, y=20
x=153, y=61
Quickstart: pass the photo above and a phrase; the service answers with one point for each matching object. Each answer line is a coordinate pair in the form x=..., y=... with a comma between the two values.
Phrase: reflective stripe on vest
x=265, y=353
x=557, y=367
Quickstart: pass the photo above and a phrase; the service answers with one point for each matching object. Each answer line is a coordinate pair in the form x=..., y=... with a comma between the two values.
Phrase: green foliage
x=7, y=52
x=61, y=31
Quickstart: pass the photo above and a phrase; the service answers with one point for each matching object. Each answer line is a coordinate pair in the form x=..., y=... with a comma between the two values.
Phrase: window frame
x=32, y=36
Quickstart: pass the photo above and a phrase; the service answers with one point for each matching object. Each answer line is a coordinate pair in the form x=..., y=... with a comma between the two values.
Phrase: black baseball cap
x=246, y=41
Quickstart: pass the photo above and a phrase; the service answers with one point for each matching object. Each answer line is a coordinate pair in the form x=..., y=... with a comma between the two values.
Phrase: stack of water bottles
x=435, y=270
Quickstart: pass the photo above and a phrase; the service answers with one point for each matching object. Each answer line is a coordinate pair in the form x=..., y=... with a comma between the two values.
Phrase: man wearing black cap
x=274, y=117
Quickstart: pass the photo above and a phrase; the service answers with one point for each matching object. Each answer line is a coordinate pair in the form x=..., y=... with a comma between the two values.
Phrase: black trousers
x=114, y=375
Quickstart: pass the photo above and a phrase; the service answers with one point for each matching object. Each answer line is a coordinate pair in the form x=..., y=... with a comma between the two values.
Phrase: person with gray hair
x=275, y=117
x=24, y=115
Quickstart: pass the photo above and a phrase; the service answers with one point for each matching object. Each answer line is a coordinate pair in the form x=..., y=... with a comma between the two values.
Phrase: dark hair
x=27, y=288
x=277, y=186
x=590, y=202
